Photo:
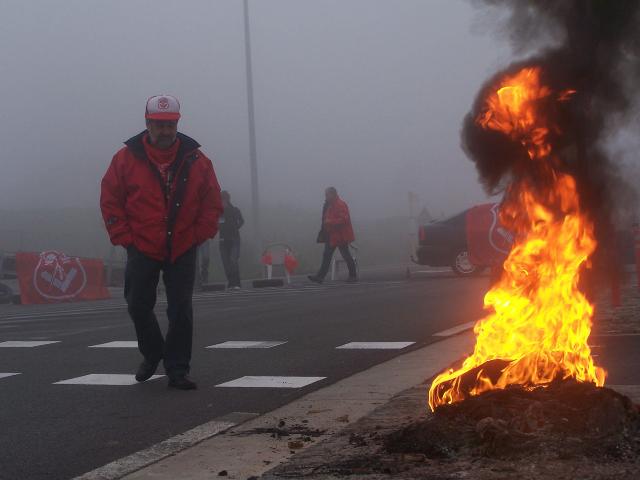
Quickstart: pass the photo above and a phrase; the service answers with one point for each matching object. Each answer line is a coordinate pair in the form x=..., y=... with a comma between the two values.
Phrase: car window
x=458, y=219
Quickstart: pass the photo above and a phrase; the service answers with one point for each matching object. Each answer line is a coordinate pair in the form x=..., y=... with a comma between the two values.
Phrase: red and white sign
x=488, y=242
x=52, y=277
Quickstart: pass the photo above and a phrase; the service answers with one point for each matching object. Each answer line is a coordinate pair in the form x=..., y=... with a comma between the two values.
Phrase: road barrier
x=52, y=277
x=277, y=255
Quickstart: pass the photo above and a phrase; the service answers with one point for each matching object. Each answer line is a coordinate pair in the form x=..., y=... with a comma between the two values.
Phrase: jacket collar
x=187, y=144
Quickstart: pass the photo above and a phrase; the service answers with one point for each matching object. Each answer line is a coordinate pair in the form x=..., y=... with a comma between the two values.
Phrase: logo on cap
x=162, y=107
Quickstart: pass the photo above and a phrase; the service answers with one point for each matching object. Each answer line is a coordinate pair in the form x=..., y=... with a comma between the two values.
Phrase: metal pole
x=255, y=203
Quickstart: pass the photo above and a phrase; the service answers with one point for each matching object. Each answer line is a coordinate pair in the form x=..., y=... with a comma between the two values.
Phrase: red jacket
x=337, y=223
x=138, y=211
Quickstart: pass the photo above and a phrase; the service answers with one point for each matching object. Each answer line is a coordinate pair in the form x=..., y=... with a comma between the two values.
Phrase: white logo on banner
x=59, y=277
x=500, y=238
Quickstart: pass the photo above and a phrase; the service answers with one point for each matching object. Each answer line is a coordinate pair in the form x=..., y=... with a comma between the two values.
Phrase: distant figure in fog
x=160, y=200
x=205, y=257
x=336, y=232
x=230, y=223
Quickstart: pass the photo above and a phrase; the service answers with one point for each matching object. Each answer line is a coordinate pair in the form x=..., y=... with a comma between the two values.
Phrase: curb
x=256, y=445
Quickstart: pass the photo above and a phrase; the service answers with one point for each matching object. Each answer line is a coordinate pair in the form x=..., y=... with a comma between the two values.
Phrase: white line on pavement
x=5, y=375
x=271, y=382
x=117, y=344
x=454, y=330
x=247, y=344
x=26, y=344
x=104, y=379
x=375, y=345
x=155, y=453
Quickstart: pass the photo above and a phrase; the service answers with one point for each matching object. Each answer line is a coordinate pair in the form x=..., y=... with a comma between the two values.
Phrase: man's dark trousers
x=327, y=255
x=230, y=254
x=141, y=282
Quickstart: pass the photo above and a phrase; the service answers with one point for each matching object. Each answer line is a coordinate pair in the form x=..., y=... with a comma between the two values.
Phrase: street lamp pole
x=255, y=203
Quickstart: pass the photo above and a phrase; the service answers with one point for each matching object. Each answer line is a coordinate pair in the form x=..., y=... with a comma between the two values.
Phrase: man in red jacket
x=160, y=200
x=336, y=232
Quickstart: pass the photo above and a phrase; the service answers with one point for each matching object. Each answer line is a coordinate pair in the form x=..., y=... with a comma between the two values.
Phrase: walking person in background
x=230, y=223
x=336, y=232
x=160, y=200
x=204, y=259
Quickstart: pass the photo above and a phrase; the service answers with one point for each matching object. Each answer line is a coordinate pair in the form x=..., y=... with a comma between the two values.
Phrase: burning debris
x=536, y=131
x=567, y=419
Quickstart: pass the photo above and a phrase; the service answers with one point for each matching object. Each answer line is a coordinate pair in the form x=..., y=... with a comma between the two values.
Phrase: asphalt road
x=57, y=431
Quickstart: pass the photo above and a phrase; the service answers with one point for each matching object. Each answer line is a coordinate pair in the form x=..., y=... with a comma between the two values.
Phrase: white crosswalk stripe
x=374, y=345
x=25, y=343
x=117, y=344
x=104, y=379
x=247, y=344
x=270, y=382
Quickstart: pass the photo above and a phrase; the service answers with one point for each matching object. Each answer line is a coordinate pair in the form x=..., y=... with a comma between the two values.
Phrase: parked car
x=443, y=243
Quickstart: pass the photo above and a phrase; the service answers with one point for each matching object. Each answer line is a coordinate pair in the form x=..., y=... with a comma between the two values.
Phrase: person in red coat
x=336, y=232
x=160, y=199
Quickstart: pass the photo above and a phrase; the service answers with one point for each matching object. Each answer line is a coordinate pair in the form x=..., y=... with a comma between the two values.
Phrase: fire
x=540, y=321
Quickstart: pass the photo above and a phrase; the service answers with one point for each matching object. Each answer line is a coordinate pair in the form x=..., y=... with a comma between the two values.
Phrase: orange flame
x=540, y=321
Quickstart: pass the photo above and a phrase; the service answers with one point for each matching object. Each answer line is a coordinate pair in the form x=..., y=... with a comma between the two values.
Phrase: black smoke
x=595, y=49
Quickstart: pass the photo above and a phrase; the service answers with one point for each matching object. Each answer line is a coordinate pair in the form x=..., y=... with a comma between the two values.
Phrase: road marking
x=375, y=345
x=454, y=330
x=271, y=382
x=246, y=344
x=117, y=344
x=104, y=379
x=199, y=298
x=26, y=344
x=246, y=452
x=5, y=375
x=164, y=449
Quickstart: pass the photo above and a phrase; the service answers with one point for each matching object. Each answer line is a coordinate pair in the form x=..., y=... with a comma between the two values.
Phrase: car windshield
x=454, y=220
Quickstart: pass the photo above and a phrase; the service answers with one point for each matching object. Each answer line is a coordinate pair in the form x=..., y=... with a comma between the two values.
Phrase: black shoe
x=314, y=278
x=352, y=280
x=146, y=370
x=182, y=382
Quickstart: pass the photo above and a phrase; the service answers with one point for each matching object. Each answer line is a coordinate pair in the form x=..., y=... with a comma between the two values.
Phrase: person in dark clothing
x=205, y=257
x=336, y=232
x=160, y=199
x=230, y=223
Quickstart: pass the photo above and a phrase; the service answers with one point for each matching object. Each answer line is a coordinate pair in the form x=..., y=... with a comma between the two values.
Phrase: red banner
x=53, y=277
x=488, y=242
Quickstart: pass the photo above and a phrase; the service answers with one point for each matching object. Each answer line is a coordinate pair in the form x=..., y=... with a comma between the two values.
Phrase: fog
x=366, y=95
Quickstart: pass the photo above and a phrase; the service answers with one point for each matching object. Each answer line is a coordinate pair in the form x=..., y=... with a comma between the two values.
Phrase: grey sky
x=366, y=95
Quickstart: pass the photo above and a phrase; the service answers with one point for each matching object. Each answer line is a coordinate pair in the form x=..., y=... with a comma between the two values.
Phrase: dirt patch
x=565, y=420
x=565, y=432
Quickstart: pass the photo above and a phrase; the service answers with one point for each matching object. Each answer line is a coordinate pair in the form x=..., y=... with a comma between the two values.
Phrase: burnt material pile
x=565, y=420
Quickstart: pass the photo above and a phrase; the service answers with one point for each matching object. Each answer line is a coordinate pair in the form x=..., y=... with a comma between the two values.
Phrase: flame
x=539, y=323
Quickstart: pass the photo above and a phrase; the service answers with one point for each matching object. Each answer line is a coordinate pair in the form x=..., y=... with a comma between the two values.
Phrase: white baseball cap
x=162, y=107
